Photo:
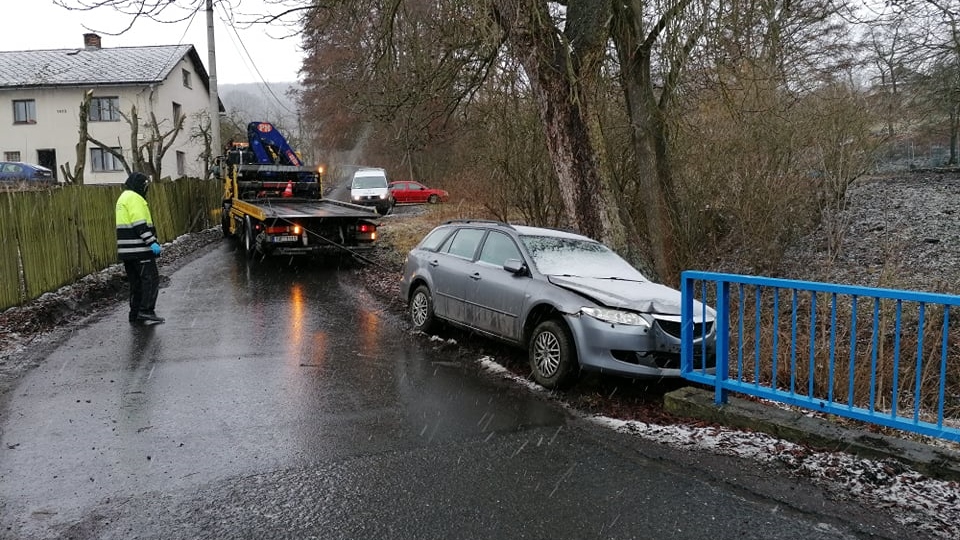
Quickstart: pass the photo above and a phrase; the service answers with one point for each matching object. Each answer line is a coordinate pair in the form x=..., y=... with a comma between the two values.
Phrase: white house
x=41, y=93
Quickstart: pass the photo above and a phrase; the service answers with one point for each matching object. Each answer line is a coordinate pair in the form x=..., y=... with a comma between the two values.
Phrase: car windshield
x=369, y=182
x=559, y=256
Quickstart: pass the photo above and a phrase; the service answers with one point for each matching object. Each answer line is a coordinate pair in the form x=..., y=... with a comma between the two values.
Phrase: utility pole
x=214, y=93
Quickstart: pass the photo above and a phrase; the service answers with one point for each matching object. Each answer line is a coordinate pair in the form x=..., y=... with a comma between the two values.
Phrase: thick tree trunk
x=563, y=108
x=587, y=32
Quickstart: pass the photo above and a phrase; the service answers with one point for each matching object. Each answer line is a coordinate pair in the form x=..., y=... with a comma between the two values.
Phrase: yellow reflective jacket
x=135, y=230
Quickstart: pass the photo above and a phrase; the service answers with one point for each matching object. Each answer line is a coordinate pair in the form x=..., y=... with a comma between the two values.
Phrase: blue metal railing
x=883, y=356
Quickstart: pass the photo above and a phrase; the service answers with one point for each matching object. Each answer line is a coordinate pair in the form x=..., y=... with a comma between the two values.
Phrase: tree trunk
x=76, y=177
x=954, y=134
x=587, y=32
x=563, y=108
x=656, y=178
x=634, y=44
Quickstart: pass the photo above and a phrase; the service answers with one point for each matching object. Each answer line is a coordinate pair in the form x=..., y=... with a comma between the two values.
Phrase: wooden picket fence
x=52, y=237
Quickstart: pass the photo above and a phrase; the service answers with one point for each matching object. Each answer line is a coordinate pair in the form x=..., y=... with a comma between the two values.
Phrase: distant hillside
x=270, y=102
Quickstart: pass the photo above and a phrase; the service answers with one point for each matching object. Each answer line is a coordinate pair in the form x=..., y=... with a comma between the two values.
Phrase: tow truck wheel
x=225, y=224
x=249, y=243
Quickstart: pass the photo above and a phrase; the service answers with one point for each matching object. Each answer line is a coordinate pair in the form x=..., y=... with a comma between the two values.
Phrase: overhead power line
x=249, y=58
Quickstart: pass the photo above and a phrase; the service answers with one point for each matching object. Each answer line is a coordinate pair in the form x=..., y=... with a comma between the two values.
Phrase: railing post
x=723, y=341
x=686, y=324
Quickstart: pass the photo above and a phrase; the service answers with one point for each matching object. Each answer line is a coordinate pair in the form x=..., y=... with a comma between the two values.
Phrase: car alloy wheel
x=553, y=359
x=546, y=351
x=421, y=309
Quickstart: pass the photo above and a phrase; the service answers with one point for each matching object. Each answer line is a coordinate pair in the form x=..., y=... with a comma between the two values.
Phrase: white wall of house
x=57, y=124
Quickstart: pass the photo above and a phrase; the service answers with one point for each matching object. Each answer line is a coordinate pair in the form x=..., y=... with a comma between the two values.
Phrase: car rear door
x=450, y=267
x=495, y=297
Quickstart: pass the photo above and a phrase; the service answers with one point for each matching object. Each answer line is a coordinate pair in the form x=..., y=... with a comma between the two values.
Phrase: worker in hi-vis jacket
x=138, y=249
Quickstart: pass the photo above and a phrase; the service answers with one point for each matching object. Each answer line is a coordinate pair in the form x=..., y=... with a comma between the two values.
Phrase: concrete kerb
x=797, y=427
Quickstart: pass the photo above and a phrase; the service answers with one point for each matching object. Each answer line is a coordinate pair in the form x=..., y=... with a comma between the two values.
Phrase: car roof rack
x=485, y=221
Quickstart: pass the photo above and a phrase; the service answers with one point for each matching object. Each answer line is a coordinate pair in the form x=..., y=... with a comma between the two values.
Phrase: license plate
x=278, y=239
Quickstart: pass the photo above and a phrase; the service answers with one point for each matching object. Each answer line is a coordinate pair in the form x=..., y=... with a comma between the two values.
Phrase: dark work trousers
x=144, y=279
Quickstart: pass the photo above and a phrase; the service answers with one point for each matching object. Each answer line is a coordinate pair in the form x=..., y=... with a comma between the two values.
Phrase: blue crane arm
x=269, y=146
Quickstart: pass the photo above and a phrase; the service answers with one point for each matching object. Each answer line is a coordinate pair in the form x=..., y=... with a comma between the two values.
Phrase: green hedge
x=54, y=237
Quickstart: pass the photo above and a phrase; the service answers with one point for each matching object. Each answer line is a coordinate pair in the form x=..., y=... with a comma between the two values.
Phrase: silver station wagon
x=570, y=301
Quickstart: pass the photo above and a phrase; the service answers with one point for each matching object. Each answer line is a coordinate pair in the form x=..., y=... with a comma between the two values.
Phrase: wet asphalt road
x=281, y=402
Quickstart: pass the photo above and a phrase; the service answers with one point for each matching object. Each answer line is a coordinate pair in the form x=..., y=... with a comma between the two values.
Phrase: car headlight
x=615, y=316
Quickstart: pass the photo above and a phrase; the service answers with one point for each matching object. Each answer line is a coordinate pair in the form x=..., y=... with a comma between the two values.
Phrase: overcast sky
x=244, y=55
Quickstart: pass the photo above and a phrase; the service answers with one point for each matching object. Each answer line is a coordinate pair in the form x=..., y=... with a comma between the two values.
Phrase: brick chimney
x=91, y=42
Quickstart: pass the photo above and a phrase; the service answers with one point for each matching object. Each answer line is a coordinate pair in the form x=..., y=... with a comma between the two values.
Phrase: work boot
x=149, y=316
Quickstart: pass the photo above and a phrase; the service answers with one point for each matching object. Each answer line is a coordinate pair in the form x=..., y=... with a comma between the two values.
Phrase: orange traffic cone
x=288, y=192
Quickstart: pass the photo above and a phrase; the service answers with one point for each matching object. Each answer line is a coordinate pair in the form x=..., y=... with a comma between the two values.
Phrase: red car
x=408, y=191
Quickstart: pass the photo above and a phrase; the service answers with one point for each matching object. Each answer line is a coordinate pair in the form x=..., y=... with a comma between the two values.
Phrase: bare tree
x=146, y=156
x=943, y=78
x=165, y=11
x=888, y=39
x=558, y=64
x=76, y=176
x=282, y=13
x=201, y=134
x=917, y=51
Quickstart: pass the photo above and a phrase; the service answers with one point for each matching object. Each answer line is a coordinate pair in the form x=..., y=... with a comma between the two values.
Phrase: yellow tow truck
x=273, y=203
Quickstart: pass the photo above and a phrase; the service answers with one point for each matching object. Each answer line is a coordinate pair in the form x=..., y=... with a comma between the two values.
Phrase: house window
x=177, y=111
x=104, y=109
x=186, y=79
x=181, y=164
x=103, y=161
x=24, y=111
x=11, y=156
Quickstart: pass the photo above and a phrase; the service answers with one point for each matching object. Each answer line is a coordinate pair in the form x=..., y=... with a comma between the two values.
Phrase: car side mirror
x=515, y=266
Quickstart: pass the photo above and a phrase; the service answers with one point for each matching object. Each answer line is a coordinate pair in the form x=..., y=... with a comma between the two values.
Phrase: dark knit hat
x=137, y=182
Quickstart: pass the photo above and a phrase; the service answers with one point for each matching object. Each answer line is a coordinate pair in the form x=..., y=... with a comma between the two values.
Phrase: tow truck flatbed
x=274, y=208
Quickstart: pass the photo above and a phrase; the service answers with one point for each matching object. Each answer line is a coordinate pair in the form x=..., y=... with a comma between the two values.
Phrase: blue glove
x=155, y=247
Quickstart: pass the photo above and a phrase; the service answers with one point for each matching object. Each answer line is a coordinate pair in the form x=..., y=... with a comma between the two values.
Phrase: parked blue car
x=17, y=171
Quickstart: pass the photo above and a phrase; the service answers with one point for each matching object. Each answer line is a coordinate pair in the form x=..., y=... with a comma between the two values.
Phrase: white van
x=369, y=188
